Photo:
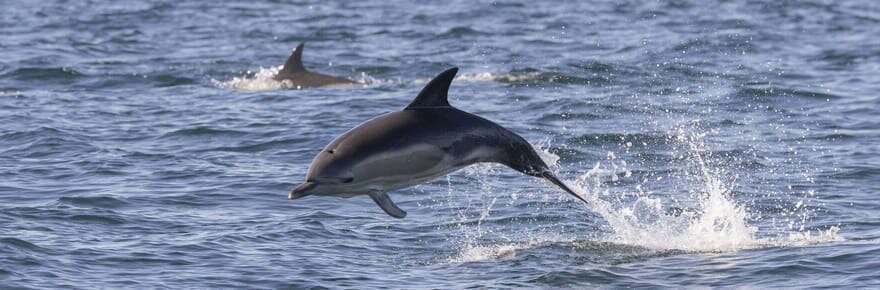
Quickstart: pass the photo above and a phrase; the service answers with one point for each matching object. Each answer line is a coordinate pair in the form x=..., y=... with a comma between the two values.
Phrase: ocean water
x=144, y=144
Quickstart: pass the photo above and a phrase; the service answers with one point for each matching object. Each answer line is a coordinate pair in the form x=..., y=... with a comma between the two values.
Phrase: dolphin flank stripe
x=427, y=139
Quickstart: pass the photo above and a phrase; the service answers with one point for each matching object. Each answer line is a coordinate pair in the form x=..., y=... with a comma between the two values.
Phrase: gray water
x=721, y=144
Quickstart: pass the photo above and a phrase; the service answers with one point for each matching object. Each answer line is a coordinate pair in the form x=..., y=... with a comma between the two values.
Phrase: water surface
x=721, y=144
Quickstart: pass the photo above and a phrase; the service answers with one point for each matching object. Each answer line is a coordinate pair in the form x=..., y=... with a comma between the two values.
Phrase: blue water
x=721, y=144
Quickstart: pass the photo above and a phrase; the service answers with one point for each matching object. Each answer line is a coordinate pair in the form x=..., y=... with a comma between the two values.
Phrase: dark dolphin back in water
x=295, y=75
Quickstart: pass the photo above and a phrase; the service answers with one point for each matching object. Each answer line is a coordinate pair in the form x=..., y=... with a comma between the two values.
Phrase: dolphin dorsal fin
x=294, y=62
x=435, y=93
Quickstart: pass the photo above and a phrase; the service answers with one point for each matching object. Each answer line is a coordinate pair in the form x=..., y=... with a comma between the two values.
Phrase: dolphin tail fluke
x=549, y=176
x=387, y=205
x=294, y=62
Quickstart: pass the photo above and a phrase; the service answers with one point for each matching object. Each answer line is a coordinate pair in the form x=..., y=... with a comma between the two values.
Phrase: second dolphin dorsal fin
x=434, y=94
x=294, y=62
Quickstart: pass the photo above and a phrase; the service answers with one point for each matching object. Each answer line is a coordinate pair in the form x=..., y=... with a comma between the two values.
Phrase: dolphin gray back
x=295, y=74
x=512, y=149
x=431, y=121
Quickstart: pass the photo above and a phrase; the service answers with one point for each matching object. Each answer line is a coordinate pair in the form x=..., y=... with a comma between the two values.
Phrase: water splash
x=714, y=223
x=708, y=220
x=490, y=77
x=264, y=80
x=475, y=252
x=506, y=78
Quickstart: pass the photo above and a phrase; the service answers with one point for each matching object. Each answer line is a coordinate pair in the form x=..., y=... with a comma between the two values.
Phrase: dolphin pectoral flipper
x=387, y=205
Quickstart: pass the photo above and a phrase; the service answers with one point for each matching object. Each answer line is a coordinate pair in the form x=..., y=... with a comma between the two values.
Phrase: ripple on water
x=562, y=116
x=45, y=74
x=203, y=132
x=259, y=147
x=139, y=260
x=21, y=244
x=779, y=92
x=100, y=219
x=94, y=201
x=628, y=139
x=45, y=142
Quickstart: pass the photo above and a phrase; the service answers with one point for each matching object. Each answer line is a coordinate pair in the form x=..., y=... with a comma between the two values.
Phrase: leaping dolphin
x=295, y=76
x=427, y=139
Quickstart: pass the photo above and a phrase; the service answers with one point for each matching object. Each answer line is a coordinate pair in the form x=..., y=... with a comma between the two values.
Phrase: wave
x=203, y=131
x=530, y=77
x=771, y=92
x=44, y=73
x=44, y=142
x=94, y=201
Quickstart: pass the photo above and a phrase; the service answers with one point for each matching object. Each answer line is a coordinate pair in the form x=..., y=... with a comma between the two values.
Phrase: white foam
x=264, y=80
x=715, y=223
x=476, y=253
x=489, y=77
x=708, y=220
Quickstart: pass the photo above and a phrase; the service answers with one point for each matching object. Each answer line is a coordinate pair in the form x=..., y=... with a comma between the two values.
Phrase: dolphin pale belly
x=295, y=76
x=427, y=139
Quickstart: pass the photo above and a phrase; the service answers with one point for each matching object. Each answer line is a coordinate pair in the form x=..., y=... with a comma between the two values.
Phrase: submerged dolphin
x=295, y=75
x=427, y=139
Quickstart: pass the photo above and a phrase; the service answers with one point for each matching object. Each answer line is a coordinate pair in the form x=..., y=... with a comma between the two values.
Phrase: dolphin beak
x=549, y=176
x=302, y=190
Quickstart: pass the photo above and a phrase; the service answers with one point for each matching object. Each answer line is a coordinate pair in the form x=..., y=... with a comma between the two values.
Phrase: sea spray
x=264, y=80
x=709, y=219
x=715, y=223
x=706, y=219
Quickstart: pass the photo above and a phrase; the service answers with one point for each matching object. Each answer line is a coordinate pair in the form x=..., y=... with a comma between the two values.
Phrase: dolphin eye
x=331, y=151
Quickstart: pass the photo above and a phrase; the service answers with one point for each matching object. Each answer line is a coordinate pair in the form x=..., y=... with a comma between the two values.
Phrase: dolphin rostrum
x=295, y=76
x=427, y=139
